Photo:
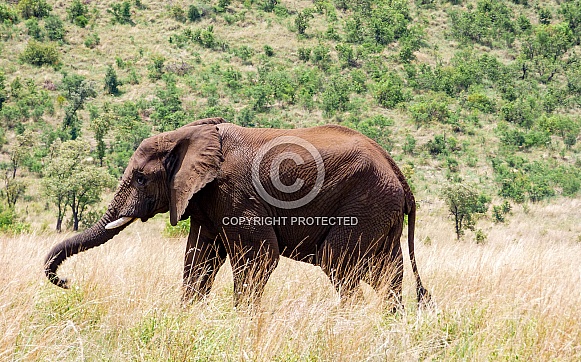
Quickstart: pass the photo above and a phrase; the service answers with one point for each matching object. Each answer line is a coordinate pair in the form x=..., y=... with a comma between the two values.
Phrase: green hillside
x=485, y=93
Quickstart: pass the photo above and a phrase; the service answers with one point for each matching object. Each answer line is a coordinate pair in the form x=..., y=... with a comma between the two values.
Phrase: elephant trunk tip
x=53, y=278
x=52, y=263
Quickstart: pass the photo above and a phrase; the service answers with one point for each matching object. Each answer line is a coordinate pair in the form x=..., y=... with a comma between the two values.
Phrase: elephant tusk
x=119, y=222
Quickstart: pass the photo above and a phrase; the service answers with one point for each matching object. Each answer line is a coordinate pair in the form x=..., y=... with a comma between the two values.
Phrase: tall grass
x=516, y=297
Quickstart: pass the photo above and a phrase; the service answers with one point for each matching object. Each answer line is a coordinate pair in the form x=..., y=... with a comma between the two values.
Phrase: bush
x=321, y=56
x=55, y=29
x=304, y=54
x=377, y=129
x=92, y=40
x=480, y=102
x=268, y=51
x=177, y=13
x=77, y=13
x=566, y=127
x=7, y=13
x=121, y=13
x=480, y=237
x=9, y=223
x=499, y=212
x=156, y=68
x=442, y=145
x=111, y=82
x=302, y=21
x=409, y=145
x=491, y=20
x=34, y=8
x=390, y=91
x=33, y=29
x=194, y=14
x=335, y=96
x=40, y=54
x=432, y=110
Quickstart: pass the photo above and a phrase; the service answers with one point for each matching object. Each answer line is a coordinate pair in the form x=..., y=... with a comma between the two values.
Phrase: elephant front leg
x=203, y=259
x=251, y=269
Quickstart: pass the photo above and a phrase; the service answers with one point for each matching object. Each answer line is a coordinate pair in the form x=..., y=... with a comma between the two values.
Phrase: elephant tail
x=422, y=294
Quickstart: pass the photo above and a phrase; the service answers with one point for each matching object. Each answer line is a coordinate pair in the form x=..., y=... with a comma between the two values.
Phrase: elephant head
x=163, y=174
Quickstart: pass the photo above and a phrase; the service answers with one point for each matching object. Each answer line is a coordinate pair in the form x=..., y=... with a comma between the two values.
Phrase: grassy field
x=516, y=297
x=480, y=91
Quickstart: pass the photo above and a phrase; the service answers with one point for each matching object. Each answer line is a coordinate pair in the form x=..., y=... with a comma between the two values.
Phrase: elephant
x=331, y=197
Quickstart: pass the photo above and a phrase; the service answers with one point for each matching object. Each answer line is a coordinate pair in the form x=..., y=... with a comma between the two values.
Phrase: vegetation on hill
x=486, y=92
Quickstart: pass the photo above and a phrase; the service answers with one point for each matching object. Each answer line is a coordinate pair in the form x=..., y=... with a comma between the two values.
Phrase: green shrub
x=442, y=145
x=304, y=54
x=34, y=8
x=268, y=51
x=55, y=29
x=499, y=212
x=335, y=96
x=566, y=127
x=9, y=222
x=409, y=145
x=194, y=14
x=155, y=69
x=40, y=54
x=346, y=55
x=111, y=82
x=390, y=92
x=376, y=128
x=490, y=21
x=121, y=13
x=267, y=5
x=7, y=13
x=481, y=102
x=571, y=12
x=302, y=21
x=431, y=110
x=78, y=13
x=33, y=29
x=92, y=40
x=480, y=237
x=177, y=13
x=321, y=56
x=244, y=52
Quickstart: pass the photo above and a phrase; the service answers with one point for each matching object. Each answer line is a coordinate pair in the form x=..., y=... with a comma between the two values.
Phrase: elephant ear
x=193, y=162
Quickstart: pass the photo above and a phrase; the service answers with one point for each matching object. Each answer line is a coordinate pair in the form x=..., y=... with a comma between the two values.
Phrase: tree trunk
x=59, y=223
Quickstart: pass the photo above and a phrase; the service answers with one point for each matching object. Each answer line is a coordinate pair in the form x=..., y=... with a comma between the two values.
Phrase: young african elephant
x=326, y=195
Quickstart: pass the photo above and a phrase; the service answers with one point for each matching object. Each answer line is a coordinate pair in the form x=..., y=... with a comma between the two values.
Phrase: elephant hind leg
x=203, y=259
x=342, y=260
x=386, y=269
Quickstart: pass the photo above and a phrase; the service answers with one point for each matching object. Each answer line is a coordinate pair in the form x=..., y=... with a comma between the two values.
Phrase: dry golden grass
x=515, y=297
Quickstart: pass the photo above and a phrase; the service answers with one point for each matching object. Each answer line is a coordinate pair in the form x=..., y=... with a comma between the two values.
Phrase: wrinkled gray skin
x=202, y=171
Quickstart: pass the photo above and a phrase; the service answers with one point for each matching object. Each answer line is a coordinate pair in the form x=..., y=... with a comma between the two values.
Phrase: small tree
x=302, y=21
x=464, y=203
x=101, y=124
x=76, y=90
x=111, y=82
x=70, y=179
x=121, y=13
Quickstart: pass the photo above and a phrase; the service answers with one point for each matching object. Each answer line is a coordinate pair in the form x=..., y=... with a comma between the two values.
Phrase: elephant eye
x=140, y=180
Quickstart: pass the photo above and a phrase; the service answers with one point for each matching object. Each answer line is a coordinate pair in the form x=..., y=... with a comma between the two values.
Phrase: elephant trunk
x=96, y=235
